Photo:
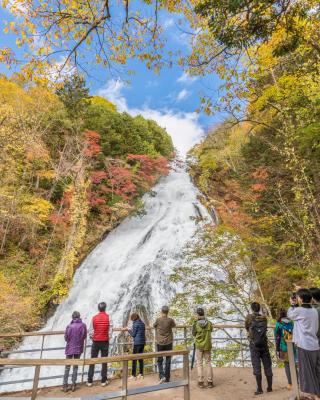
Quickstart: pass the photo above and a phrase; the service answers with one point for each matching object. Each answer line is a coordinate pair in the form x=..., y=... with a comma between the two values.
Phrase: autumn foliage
x=68, y=175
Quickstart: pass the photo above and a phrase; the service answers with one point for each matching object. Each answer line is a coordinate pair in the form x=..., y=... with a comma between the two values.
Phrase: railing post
x=35, y=382
x=185, y=336
x=186, y=376
x=241, y=344
x=42, y=344
x=84, y=359
x=154, y=349
x=293, y=372
x=125, y=379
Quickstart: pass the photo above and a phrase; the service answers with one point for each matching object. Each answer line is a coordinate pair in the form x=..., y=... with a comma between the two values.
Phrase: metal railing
x=230, y=347
x=125, y=391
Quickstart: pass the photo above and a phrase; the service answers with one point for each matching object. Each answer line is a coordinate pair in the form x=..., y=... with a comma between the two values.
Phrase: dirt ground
x=230, y=384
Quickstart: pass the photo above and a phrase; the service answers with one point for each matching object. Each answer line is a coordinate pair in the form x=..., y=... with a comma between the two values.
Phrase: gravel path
x=230, y=384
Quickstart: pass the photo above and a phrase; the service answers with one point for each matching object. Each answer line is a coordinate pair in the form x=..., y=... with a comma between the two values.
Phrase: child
x=283, y=332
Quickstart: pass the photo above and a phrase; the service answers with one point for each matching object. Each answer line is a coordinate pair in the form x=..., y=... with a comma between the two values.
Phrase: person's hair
x=165, y=310
x=255, y=307
x=282, y=314
x=134, y=316
x=102, y=306
x=315, y=292
x=75, y=315
x=200, y=311
x=305, y=295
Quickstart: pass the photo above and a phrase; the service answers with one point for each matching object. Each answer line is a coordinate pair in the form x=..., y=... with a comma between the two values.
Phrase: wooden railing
x=125, y=391
x=293, y=372
x=230, y=347
x=53, y=333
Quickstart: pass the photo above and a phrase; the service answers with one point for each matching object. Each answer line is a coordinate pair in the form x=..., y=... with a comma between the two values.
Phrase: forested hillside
x=71, y=168
x=261, y=169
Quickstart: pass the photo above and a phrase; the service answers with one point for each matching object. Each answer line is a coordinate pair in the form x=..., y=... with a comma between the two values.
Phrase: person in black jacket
x=256, y=326
x=138, y=332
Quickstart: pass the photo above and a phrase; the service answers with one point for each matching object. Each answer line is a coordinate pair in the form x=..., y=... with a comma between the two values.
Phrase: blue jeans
x=164, y=373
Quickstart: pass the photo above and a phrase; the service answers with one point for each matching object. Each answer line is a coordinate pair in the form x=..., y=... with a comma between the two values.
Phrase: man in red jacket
x=100, y=332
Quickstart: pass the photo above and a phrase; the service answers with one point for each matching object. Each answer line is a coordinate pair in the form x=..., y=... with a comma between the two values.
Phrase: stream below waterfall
x=129, y=269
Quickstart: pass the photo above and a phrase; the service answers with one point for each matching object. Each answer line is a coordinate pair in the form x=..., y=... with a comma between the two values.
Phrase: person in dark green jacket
x=201, y=331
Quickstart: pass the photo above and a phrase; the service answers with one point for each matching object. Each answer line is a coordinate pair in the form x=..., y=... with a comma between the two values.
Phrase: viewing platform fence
x=124, y=392
x=230, y=348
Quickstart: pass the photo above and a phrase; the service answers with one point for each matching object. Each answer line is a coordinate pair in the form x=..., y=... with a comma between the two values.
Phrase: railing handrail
x=90, y=361
x=124, y=359
x=52, y=333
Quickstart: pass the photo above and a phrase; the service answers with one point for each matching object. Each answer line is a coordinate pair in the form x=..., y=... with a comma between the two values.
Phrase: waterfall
x=129, y=269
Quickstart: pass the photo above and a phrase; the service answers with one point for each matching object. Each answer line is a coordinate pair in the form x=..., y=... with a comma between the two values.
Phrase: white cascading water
x=128, y=269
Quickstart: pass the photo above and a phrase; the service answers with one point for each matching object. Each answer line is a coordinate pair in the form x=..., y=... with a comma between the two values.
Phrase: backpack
x=287, y=330
x=259, y=332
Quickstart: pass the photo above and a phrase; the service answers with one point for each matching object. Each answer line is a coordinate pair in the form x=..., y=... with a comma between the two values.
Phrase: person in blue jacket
x=283, y=332
x=138, y=332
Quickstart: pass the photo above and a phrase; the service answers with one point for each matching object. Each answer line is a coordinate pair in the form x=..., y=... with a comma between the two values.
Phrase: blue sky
x=170, y=98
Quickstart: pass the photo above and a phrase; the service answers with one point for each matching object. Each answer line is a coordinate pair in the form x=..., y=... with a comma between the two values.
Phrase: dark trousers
x=164, y=373
x=74, y=371
x=103, y=348
x=260, y=355
x=137, y=348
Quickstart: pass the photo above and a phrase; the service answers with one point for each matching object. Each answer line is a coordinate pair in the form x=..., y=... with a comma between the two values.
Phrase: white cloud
x=58, y=71
x=168, y=23
x=185, y=78
x=183, y=94
x=183, y=127
x=113, y=92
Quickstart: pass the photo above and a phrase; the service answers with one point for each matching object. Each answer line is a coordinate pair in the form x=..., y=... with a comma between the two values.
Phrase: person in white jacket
x=306, y=324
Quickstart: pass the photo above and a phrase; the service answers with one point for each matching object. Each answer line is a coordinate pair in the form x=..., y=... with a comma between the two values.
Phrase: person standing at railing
x=138, y=332
x=257, y=327
x=202, y=331
x=316, y=304
x=283, y=332
x=100, y=333
x=75, y=335
x=164, y=341
x=306, y=325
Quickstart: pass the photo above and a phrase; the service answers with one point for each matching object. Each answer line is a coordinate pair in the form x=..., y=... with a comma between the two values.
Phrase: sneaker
x=201, y=385
x=140, y=376
x=103, y=384
x=73, y=387
x=258, y=392
x=269, y=390
x=162, y=380
x=210, y=385
x=132, y=378
x=89, y=384
x=65, y=388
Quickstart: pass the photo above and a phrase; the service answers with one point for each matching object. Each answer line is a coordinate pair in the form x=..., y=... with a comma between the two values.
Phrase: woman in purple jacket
x=75, y=335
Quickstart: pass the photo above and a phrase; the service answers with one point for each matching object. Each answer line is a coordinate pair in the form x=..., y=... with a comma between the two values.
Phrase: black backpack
x=259, y=332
